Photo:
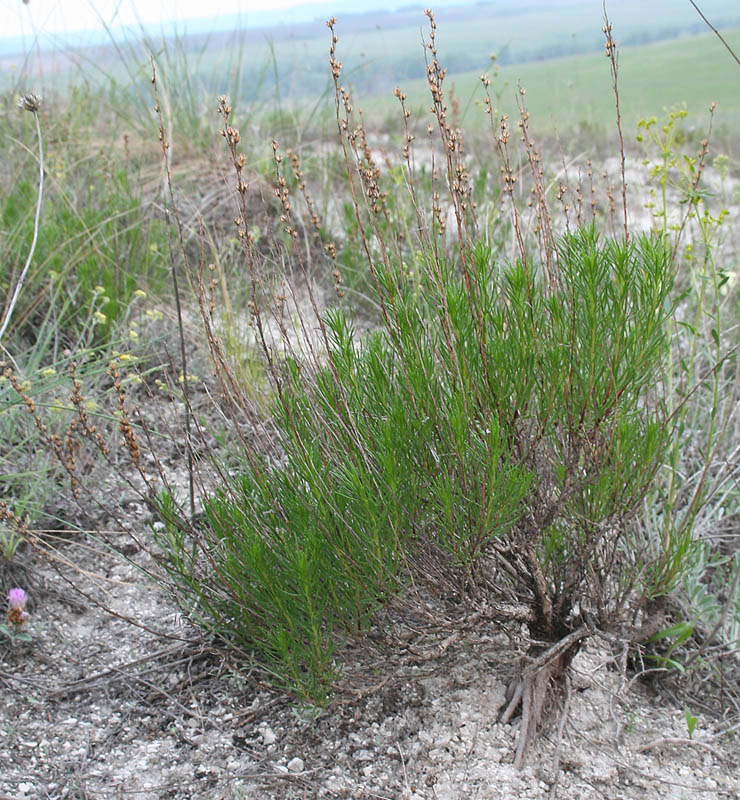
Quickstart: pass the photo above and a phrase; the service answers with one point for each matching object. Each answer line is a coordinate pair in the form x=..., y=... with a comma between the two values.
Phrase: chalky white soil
x=94, y=707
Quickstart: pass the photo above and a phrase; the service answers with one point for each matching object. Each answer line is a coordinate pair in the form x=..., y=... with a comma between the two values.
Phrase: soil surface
x=95, y=707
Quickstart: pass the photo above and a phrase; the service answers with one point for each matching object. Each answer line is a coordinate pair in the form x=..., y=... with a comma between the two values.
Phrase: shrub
x=501, y=426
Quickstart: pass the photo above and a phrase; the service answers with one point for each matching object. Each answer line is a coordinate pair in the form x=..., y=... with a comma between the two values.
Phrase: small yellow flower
x=99, y=289
x=47, y=372
x=132, y=334
x=100, y=317
x=140, y=293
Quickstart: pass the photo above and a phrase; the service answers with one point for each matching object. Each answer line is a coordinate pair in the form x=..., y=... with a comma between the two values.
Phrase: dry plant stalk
x=28, y=102
x=165, y=144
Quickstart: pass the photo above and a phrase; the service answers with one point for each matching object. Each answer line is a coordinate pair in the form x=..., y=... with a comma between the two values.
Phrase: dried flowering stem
x=238, y=160
x=183, y=357
x=348, y=139
x=62, y=450
x=544, y=220
x=28, y=102
x=610, y=51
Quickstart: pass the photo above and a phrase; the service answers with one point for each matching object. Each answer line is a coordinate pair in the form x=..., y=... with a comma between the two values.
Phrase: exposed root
x=534, y=691
x=561, y=731
x=533, y=688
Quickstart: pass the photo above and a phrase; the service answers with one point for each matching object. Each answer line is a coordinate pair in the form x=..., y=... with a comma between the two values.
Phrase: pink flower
x=17, y=598
x=17, y=614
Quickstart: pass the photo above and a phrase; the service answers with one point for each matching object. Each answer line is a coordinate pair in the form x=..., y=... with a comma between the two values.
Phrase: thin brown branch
x=611, y=54
x=716, y=32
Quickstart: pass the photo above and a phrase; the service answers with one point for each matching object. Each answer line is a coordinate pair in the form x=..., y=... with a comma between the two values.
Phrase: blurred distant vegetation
x=554, y=48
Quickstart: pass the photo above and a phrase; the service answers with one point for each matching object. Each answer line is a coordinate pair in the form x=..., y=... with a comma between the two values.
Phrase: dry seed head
x=29, y=102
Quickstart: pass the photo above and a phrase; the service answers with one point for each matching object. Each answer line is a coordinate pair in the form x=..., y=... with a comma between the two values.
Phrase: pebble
x=374, y=754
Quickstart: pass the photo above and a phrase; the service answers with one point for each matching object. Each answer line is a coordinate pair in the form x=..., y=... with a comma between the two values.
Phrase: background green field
x=566, y=93
x=667, y=57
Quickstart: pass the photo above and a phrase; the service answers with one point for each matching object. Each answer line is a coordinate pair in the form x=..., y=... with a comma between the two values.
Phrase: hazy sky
x=64, y=16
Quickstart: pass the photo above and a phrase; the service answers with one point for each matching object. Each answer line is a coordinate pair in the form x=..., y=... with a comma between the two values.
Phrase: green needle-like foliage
x=504, y=425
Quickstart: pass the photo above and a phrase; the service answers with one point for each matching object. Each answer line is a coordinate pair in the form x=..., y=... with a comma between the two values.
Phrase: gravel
x=94, y=707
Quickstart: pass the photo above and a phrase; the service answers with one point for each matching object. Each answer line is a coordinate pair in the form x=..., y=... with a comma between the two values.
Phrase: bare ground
x=94, y=707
